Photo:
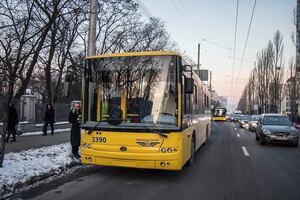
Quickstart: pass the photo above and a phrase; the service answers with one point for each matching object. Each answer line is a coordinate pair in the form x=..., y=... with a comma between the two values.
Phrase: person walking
x=75, y=120
x=13, y=120
x=49, y=118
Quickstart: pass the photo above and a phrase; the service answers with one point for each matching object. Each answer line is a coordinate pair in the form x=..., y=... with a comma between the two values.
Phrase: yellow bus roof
x=143, y=53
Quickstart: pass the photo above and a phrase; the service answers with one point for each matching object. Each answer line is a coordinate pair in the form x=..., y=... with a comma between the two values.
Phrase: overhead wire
x=150, y=16
x=234, y=44
x=247, y=37
x=186, y=21
x=197, y=30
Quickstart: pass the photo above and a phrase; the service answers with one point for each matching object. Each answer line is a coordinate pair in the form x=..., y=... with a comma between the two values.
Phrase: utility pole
x=198, y=63
x=297, y=74
x=92, y=28
x=210, y=77
x=91, y=51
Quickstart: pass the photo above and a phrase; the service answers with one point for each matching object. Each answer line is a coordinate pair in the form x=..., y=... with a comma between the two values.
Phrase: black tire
x=256, y=136
x=206, y=136
x=193, y=150
x=295, y=144
x=262, y=141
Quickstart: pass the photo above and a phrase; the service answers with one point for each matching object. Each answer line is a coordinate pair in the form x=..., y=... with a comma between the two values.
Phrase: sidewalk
x=35, y=140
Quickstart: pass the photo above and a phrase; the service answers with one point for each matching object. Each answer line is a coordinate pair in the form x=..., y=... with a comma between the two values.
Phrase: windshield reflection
x=137, y=90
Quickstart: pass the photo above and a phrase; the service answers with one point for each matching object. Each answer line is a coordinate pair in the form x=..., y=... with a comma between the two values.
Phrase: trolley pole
x=92, y=28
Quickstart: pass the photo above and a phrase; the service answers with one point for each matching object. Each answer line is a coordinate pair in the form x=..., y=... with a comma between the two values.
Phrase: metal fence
x=61, y=112
x=1, y=109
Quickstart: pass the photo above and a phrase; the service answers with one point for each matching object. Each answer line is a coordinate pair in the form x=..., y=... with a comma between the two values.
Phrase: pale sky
x=214, y=20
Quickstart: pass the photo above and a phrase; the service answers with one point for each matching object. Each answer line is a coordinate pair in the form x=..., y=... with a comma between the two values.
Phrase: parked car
x=276, y=128
x=243, y=121
x=253, y=122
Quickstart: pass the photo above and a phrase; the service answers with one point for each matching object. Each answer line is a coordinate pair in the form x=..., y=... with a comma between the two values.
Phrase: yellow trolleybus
x=219, y=114
x=143, y=110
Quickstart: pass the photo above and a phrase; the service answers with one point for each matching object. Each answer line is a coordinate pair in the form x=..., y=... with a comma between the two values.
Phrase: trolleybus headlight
x=87, y=145
x=174, y=150
x=163, y=150
x=162, y=164
x=169, y=150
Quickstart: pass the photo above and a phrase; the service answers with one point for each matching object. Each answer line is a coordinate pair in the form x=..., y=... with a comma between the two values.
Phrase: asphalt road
x=36, y=141
x=223, y=170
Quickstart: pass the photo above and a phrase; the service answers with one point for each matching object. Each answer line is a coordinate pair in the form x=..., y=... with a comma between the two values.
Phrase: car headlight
x=294, y=132
x=266, y=132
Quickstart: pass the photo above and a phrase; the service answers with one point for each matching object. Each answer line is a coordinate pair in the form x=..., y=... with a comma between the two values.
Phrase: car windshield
x=254, y=118
x=277, y=120
x=245, y=118
x=141, y=89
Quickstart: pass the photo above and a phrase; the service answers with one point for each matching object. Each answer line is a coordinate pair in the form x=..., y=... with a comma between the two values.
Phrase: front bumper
x=144, y=164
x=281, y=139
x=133, y=160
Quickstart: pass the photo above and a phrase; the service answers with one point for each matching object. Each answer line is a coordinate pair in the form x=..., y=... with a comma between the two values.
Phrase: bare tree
x=277, y=71
x=242, y=104
x=26, y=25
x=265, y=85
x=292, y=89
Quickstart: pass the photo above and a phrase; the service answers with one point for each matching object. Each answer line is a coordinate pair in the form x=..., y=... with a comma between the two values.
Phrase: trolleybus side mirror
x=189, y=85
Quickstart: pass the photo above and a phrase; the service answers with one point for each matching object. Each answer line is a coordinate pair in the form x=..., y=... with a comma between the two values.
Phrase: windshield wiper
x=157, y=132
x=92, y=129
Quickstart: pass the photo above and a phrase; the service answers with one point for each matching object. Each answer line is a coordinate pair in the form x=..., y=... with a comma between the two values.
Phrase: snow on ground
x=24, y=122
x=56, y=123
x=49, y=131
x=26, y=167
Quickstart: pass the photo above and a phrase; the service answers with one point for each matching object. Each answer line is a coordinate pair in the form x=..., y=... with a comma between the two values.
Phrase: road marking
x=235, y=128
x=238, y=135
x=245, y=151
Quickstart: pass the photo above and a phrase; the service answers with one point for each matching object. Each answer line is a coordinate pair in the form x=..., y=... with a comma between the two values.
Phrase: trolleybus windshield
x=139, y=91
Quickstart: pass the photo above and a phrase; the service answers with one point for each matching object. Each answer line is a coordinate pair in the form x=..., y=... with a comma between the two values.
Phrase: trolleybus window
x=137, y=90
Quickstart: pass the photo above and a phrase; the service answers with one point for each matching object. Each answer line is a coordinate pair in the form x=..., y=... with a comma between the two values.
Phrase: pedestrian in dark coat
x=49, y=118
x=75, y=120
x=13, y=120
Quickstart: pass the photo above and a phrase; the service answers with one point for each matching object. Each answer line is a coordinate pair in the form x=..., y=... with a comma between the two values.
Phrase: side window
x=207, y=100
x=187, y=98
x=195, y=95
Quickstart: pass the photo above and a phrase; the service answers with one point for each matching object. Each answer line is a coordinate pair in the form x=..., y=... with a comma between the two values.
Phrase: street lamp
x=198, y=60
x=277, y=68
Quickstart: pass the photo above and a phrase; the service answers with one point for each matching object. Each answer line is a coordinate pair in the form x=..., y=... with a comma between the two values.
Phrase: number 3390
x=99, y=139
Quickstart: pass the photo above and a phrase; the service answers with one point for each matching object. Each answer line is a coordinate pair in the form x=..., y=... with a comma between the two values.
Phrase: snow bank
x=49, y=131
x=56, y=123
x=27, y=167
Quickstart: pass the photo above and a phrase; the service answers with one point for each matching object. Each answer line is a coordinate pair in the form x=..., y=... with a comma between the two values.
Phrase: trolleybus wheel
x=193, y=147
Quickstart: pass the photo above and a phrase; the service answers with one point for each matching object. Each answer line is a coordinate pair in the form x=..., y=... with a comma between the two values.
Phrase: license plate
x=99, y=139
x=281, y=138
